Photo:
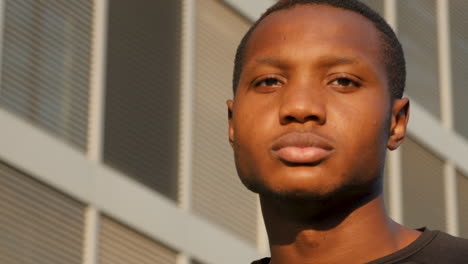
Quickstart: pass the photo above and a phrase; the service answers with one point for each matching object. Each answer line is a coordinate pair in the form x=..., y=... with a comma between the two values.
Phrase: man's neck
x=362, y=235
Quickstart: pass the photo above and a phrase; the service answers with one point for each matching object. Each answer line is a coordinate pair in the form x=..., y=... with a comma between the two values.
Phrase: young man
x=318, y=99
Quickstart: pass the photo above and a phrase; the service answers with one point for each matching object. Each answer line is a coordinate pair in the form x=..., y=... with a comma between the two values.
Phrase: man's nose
x=303, y=103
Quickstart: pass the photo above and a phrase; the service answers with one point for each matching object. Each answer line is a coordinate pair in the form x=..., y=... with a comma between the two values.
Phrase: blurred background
x=114, y=149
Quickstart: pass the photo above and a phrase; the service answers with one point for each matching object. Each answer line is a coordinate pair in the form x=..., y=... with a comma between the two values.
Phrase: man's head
x=313, y=113
x=391, y=50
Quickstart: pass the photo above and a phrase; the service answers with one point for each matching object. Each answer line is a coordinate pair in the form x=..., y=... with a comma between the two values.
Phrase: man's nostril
x=311, y=118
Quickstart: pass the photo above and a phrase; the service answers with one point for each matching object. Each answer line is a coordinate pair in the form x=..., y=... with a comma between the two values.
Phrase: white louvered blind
x=417, y=32
x=218, y=194
x=142, y=90
x=459, y=45
x=423, y=187
x=38, y=225
x=46, y=64
x=119, y=244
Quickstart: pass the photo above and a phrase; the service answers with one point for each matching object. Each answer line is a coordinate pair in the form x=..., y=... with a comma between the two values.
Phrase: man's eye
x=345, y=82
x=268, y=82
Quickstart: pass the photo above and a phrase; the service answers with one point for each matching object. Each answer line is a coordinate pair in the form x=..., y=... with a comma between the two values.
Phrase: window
x=119, y=244
x=45, y=67
x=142, y=90
x=39, y=225
x=417, y=31
x=459, y=45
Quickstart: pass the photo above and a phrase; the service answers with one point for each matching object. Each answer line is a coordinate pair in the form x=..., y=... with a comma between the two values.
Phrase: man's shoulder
x=443, y=248
x=432, y=246
x=449, y=243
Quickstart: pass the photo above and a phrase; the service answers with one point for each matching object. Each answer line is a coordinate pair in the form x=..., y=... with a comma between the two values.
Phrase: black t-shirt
x=431, y=247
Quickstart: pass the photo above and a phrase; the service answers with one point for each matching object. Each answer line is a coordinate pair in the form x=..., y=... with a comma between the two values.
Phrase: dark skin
x=310, y=124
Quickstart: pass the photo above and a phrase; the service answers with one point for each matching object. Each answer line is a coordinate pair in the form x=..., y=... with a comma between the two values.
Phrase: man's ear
x=230, y=105
x=399, y=122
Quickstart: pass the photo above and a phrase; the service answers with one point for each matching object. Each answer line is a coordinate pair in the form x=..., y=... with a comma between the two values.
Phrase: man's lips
x=301, y=148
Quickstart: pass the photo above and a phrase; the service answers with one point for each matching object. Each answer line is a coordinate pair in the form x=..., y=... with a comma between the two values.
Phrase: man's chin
x=291, y=194
x=325, y=195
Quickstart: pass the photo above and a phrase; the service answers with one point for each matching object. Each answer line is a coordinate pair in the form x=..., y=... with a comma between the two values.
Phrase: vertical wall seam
x=445, y=86
x=395, y=181
x=186, y=111
x=451, y=201
x=186, y=103
x=395, y=202
x=390, y=13
x=91, y=236
x=96, y=121
x=445, y=72
x=183, y=258
x=97, y=82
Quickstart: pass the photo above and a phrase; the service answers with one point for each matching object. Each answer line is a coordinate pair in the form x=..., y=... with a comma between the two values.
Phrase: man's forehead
x=313, y=27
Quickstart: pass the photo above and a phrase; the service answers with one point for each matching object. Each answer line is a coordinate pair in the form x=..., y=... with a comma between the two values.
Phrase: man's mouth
x=301, y=148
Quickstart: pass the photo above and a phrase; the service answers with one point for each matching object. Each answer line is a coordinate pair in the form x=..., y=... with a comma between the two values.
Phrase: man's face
x=312, y=110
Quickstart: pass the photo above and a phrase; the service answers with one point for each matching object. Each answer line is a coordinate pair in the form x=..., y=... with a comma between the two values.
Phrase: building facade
x=114, y=129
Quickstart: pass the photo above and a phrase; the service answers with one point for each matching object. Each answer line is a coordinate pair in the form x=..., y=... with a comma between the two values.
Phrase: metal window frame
x=395, y=181
x=186, y=112
x=447, y=116
x=96, y=123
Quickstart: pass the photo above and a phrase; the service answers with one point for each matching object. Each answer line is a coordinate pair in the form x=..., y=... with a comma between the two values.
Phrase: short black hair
x=391, y=49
